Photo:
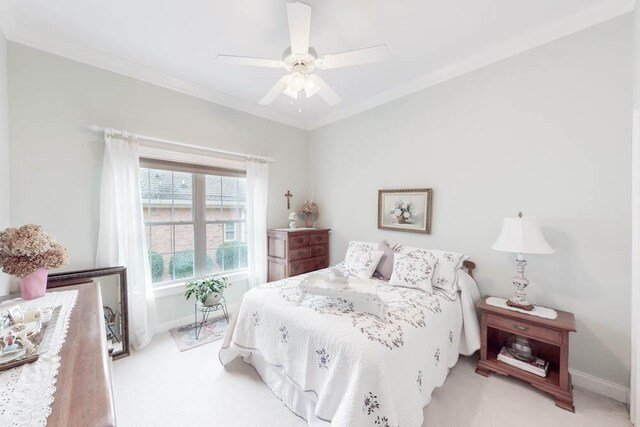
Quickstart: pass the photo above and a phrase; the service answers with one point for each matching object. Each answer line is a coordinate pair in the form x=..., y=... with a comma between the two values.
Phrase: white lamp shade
x=523, y=236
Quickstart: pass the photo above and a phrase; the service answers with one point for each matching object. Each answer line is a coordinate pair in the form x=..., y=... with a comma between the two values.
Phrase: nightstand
x=549, y=340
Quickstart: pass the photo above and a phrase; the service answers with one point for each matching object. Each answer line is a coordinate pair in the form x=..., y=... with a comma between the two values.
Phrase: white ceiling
x=174, y=43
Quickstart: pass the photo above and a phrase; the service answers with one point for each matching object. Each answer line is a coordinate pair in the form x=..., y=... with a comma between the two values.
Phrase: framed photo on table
x=405, y=210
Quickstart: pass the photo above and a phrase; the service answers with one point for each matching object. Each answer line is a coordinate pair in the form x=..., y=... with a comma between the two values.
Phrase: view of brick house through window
x=195, y=223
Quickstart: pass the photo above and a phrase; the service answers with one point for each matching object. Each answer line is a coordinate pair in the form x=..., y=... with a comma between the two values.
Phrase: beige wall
x=57, y=161
x=547, y=132
x=4, y=152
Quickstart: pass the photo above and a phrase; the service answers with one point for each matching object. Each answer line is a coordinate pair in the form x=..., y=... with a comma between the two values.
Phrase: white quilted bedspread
x=364, y=371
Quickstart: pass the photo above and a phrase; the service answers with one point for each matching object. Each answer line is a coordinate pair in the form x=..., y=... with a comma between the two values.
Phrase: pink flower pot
x=35, y=285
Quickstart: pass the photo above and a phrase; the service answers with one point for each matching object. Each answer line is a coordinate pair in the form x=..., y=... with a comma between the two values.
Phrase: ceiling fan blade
x=299, y=15
x=245, y=60
x=275, y=90
x=353, y=57
x=325, y=91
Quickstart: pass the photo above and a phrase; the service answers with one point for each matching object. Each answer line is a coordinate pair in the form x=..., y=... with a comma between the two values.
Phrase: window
x=229, y=232
x=194, y=220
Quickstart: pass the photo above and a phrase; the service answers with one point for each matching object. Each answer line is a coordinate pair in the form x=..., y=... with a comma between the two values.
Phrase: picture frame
x=113, y=276
x=406, y=210
x=16, y=315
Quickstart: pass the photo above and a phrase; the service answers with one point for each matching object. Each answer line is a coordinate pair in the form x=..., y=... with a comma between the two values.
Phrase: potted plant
x=28, y=253
x=207, y=291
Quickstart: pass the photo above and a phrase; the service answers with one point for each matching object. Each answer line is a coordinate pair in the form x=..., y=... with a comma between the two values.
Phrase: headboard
x=469, y=266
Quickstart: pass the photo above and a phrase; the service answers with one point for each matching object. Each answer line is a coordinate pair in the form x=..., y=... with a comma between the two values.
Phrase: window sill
x=181, y=287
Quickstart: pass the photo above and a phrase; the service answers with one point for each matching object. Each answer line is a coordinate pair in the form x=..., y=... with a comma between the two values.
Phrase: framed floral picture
x=405, y=210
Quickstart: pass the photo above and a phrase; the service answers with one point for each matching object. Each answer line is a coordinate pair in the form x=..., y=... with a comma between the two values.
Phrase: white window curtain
x=257, y=189
x=121, y=240
x=634, y=399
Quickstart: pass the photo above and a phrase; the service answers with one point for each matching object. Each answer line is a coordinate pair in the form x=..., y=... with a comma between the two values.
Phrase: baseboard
x=600, y=386
x=175, y=323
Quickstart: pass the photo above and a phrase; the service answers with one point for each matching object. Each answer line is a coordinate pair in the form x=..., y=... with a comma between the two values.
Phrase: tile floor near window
x=160, y=386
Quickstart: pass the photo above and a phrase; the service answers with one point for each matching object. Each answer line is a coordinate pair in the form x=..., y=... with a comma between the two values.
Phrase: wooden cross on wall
x=288, y=196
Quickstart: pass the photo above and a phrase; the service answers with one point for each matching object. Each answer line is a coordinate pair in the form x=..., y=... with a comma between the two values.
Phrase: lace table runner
x=26, y=392
x=547, y=313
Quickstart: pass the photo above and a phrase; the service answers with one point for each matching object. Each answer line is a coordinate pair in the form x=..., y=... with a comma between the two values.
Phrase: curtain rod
x=125, y=134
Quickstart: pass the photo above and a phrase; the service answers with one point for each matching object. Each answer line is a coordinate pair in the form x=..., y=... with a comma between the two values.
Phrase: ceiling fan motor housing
x=299, y=62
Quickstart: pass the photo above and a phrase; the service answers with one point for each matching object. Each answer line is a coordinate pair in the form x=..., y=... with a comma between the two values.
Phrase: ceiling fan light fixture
x=310, y=88
x=292, y=93
x=296, y=82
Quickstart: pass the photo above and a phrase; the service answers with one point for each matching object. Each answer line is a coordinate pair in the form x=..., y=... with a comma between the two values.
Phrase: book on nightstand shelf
x=536, y=366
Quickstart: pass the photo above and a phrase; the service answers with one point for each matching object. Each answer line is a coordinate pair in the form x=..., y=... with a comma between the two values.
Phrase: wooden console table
x=83, y=394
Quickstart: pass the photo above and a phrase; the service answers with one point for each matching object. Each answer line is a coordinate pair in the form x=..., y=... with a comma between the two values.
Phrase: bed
x=333, y=365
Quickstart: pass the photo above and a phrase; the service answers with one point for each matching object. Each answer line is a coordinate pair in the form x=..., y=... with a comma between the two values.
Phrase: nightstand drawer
x=526, y=329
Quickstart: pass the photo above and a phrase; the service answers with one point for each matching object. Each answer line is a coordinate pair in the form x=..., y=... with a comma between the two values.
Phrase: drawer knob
x=299, y=240
x=520, y=327
x=296, y=267
x=318, y=238
x=300, y=253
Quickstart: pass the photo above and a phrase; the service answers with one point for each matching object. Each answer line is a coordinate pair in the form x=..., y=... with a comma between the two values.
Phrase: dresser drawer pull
x=296, y=267
x=300, y=253
x=319, y=238
x=299, y=240
x=520, y=327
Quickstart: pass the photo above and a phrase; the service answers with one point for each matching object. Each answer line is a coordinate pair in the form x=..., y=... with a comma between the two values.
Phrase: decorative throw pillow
x=361, y=260
x=413, y=270
x=445, y=275
x=385, y=266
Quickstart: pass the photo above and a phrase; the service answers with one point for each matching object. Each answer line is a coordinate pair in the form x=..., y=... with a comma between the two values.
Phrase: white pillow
x=413, y=270
x=361, y=260
x=445, y=269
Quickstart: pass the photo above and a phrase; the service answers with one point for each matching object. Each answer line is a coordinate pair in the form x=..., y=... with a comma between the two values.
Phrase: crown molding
x=6, y=18
x=32, y=38
x=543, y=35
x=556, y=30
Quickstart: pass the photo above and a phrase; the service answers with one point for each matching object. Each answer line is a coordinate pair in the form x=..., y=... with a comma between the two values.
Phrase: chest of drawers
x=297, y=251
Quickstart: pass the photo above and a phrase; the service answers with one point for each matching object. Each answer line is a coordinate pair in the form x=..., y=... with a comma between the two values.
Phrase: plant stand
x=206, y=310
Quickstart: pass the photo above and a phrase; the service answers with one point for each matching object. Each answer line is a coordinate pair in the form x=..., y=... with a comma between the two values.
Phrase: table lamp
x=521, y=235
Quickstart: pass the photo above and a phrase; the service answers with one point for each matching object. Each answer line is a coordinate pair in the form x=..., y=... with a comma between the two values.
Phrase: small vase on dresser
x=298, y=251
x=34, y=285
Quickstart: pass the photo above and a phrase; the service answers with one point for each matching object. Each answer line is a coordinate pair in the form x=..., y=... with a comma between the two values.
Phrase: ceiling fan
x=300, y=60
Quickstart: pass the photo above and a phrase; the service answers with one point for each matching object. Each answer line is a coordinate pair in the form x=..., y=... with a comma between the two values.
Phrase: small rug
x=213, y=330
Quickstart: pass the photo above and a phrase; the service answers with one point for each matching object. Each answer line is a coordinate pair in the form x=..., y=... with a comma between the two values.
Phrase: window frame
x=234, y=231
x=198, y=219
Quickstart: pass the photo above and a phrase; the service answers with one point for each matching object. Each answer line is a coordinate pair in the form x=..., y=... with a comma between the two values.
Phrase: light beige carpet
x=160, y=386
